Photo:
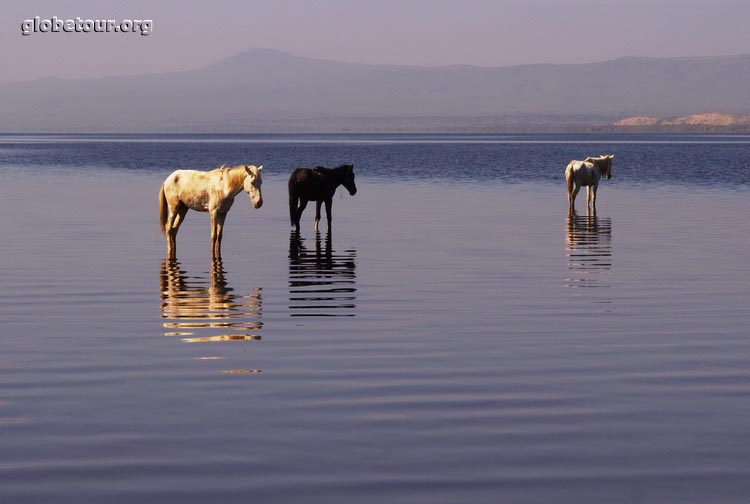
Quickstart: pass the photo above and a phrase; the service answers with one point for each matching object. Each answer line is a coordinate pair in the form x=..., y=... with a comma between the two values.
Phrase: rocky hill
x=694, y=122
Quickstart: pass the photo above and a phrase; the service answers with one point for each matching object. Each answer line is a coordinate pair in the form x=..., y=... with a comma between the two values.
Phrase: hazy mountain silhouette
x=265, y=90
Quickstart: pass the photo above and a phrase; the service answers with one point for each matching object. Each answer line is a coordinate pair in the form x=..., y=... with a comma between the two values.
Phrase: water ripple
x=322, y=282
x=194, y=308
x=589, y=249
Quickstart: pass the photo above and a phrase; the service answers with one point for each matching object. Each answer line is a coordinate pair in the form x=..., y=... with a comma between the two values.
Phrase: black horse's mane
x=339, y=167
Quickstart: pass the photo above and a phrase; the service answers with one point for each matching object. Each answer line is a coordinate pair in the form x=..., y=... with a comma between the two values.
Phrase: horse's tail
x=163, y=210
x=569, y=171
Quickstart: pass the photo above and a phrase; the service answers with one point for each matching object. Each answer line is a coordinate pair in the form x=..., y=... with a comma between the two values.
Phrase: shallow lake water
x=458, y=337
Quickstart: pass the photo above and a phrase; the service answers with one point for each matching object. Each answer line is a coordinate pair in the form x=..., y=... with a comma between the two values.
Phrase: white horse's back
x=582, y=172
x=191, y=187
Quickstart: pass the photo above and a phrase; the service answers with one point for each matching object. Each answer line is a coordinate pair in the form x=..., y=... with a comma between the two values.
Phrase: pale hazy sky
x=412, y=32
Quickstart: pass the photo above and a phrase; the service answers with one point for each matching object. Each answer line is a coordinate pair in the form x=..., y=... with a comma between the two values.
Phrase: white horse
x=213, y=192
x=587, y=173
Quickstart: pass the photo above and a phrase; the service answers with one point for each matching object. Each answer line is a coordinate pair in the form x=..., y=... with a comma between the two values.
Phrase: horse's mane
x=597, y=161
x=323, y=169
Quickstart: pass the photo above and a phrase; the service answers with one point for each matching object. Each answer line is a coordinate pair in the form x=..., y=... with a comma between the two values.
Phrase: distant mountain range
x=268, y=91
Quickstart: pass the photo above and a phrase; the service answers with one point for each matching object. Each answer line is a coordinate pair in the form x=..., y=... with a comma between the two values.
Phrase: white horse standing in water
x=213, y=192
x=587, y=173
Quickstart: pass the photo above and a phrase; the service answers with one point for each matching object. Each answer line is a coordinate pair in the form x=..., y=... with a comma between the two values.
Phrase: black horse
x=318, y=185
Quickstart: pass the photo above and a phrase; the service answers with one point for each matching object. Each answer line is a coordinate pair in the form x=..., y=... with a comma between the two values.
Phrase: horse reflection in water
x=204, y=309
x=589, y=249
x=322, y=282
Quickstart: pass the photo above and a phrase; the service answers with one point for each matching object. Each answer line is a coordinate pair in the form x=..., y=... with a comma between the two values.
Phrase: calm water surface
x=459, y=337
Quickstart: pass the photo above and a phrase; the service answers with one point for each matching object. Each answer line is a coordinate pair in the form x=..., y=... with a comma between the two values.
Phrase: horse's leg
x=171, y=230
x=300, y=209
x=573, y=195
x=168, y=235
x=219, y=233
x=181, y=212
x=213, y=216
x=329, y=214
x=588, y=196
x=317, y=214
x=179, y=217
x=293, y=200
x=569, y=184
x=594, y=188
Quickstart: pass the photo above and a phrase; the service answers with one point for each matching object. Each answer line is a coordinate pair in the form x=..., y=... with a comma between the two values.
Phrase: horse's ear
x=260, y=168
x=611, y=156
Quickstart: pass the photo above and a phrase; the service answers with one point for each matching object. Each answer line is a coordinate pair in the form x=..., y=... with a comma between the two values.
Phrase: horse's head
x=606, y=165
x=349, y=179
x=252, y=185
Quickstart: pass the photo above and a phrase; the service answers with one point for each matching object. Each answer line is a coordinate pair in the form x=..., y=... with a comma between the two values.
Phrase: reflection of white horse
x=189, y=305
x=587, y=173
x=211, y=192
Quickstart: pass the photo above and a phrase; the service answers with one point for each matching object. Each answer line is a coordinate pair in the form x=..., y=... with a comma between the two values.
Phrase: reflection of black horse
x=321, y=283
x=319, y=185
x=589, y=248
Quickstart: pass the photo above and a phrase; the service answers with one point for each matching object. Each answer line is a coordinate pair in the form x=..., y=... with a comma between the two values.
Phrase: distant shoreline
x=479, y=129
x=715, y=122
x=350, y=131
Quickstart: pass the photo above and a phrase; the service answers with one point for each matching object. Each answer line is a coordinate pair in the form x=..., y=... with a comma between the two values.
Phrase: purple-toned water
x=458, y=338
